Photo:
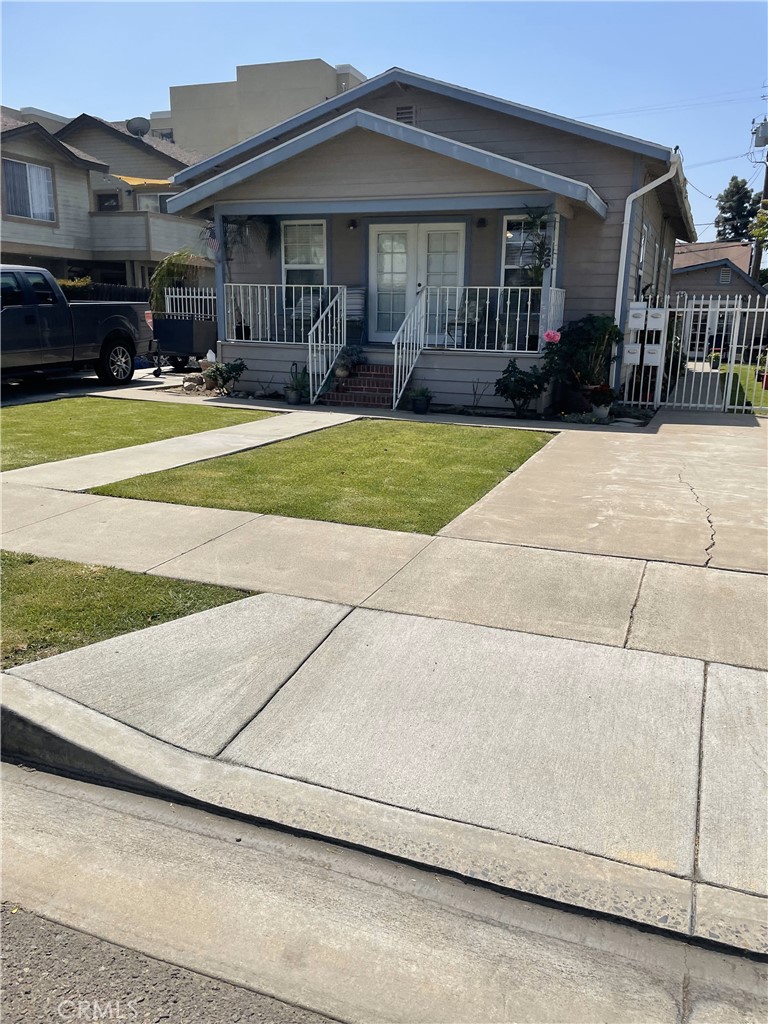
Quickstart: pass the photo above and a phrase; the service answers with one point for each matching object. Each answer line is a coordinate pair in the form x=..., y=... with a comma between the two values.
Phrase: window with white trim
x=526, y=252
x=28, y=190
x=304, y=252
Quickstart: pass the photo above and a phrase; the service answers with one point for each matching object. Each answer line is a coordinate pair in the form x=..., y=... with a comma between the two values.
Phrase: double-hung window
x=304, y=252
x=527, y=252
x=28, y=190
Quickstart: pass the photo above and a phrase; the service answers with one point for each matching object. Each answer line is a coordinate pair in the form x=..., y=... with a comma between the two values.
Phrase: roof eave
x=132, y=140
x=572, y=189
x=409, y=78
x=36, y=129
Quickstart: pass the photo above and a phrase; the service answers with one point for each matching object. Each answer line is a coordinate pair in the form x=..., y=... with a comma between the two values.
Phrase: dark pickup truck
x=42, y=332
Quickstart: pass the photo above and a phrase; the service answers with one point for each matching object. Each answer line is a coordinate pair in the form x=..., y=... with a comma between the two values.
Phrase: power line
x=716, y=100
x=714, y=198
x=720, y=160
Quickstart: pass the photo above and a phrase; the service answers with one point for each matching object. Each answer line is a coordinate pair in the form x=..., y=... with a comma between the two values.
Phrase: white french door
x=403, y=259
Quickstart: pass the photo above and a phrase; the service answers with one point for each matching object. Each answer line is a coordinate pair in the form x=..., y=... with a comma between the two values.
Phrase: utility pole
x=761, y=141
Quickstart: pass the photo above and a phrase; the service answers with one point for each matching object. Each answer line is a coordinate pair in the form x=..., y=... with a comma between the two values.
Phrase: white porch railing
x=326, y=339
x=274, y=313
x=190, y=303
x=408, y=344
x=490, y=319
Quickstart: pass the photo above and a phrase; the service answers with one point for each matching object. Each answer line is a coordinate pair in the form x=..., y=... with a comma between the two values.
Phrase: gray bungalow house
x=443, y=229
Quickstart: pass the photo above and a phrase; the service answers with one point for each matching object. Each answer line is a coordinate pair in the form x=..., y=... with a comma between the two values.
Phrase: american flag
x=210, y=238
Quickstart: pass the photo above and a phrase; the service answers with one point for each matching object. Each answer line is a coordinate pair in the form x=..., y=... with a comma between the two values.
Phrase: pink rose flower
x=552, y=336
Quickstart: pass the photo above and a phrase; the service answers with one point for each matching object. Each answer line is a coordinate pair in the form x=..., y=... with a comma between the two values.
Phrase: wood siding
x=450, y=376
x=707, y=282
x=123, y=157
x=71, y=231
x=360, y=165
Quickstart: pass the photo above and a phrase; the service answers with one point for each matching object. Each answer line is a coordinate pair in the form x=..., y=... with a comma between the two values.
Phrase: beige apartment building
x=210, y=117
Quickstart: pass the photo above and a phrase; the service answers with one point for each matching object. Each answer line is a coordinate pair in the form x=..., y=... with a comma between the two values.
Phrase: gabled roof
x=12, y=128
x=403, y=78
x=167, y=149
x=504, y=166
x=690, y=254
x=713, y=264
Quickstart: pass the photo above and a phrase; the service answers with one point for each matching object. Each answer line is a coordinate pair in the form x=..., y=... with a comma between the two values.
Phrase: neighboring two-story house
x=462, y=225
x=90, y=200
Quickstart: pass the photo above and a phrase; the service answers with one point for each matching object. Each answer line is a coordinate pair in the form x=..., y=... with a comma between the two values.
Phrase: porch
x=311, y=324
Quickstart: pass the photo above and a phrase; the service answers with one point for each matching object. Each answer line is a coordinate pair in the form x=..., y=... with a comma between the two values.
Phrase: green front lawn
x=50, y=606
x=49, y=431
x=745, y=387
x=393, y=475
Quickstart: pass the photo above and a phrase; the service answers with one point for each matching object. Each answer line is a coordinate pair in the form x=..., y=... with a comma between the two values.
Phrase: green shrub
x=521, y=387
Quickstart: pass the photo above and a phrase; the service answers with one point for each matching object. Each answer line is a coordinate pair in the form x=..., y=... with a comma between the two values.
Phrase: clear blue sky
x=700, y=66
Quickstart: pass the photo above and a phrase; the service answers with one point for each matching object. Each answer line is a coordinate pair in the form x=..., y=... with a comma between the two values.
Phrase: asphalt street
x=52, y=973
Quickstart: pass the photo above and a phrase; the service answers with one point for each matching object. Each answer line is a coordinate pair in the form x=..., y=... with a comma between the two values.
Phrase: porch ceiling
x=512, y=170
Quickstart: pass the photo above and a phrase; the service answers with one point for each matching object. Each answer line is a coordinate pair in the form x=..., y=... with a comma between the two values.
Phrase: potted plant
x=223, y=375
x=602, y=397
x=297, y=388
x=714, y=358
x=580, y=358
x=346, y=361
x=521, y=387
x=420, y=399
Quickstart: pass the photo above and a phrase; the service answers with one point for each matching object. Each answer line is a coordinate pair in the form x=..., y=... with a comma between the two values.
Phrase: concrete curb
x=46, y=728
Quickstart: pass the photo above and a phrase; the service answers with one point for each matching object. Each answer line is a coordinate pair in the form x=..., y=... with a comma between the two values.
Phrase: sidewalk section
x=571, y=771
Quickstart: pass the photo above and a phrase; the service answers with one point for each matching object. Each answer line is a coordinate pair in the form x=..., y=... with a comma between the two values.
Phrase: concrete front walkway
x=101, y=468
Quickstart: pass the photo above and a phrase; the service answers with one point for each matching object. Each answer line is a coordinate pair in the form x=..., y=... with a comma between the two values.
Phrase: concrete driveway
x=691, y=489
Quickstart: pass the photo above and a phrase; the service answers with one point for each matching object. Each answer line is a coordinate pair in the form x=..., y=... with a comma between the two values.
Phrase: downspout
x=675, y=164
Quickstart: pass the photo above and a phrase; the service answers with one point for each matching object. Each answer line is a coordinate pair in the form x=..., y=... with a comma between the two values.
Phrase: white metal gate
x=705, y=353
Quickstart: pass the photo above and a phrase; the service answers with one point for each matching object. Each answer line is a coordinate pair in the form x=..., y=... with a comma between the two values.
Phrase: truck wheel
x=115, y=364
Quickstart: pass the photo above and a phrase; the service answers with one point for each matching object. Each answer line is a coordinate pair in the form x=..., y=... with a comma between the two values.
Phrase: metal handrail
x=326, y=339
x=408, y=344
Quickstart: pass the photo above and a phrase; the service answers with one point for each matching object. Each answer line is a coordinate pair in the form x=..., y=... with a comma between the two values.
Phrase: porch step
x=370, y=385
x=374, y=399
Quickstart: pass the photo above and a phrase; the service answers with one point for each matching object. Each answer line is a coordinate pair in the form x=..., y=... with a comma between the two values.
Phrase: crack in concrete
x=632, y=610
x=709, y=549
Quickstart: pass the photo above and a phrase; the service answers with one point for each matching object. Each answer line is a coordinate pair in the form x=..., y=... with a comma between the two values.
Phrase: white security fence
x=190, y=303
x=705, y=353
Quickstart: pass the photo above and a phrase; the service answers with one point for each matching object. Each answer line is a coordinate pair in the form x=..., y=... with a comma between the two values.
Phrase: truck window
x=11, y=289
x=44, y=294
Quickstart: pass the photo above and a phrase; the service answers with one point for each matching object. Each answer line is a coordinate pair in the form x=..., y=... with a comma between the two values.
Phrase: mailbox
x=637, y=313
x=652, y=355
x=656, y=320
x=631, y=355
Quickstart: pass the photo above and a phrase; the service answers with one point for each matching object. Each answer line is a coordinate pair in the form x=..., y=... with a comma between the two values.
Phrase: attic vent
x=725, y=275
x=405, y=115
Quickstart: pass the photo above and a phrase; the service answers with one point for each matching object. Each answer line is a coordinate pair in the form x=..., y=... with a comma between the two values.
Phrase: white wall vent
x=725, y=275
x=405, y=115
